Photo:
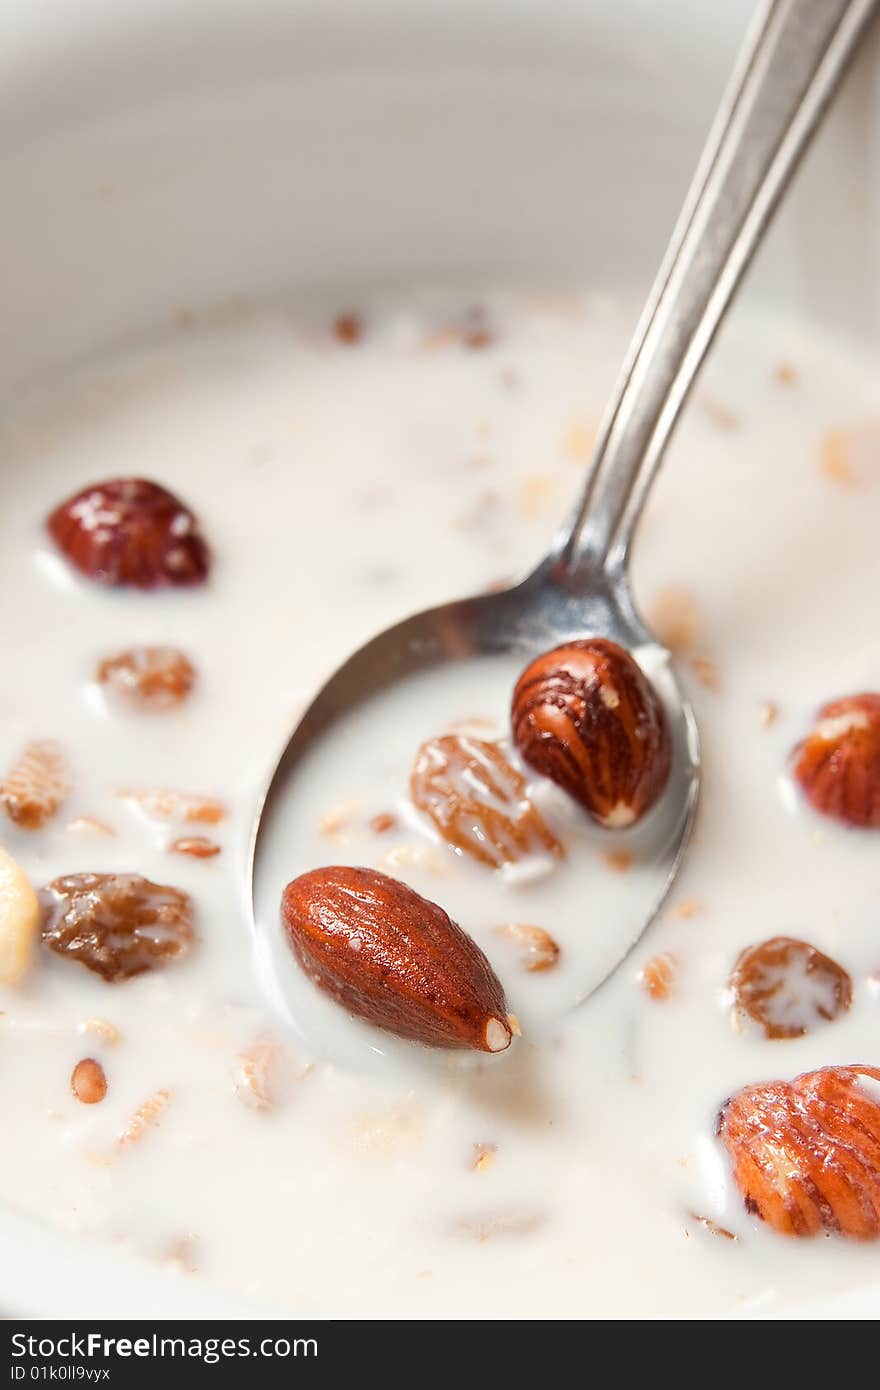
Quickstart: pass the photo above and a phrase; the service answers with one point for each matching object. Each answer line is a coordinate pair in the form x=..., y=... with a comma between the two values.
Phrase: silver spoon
x=793, y=57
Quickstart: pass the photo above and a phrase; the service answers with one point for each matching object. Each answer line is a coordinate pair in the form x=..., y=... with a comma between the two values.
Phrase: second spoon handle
x=794, y=56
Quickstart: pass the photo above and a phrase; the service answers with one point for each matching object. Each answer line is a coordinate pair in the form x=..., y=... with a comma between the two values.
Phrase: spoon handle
x=794, y=55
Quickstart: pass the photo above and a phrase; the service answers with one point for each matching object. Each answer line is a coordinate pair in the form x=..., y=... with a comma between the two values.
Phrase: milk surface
x=341, y=486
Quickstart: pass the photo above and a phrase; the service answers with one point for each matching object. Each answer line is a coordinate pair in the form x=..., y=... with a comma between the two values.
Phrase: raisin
x=118, y=925
x=787, y=986
x=478, y=801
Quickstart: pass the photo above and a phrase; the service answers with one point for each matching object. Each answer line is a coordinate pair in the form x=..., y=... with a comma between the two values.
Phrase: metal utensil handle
x=794, y=55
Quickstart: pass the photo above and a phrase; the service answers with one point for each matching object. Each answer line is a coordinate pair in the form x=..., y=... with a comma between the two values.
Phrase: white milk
x=342, y=487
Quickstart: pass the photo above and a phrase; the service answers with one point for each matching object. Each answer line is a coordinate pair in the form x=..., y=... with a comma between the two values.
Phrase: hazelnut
x=806, y=1154
x=838, y=765
x=585, y=716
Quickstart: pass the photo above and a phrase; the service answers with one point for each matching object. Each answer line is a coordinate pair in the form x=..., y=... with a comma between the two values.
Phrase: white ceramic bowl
x=165, y=154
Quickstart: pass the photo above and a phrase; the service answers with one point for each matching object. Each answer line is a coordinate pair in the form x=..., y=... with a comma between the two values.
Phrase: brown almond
x=395, y=959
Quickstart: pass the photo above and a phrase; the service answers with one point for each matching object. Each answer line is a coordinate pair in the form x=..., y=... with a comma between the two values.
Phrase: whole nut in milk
x=393, y=958
x=806, y=1153
x=838, y=765
x=130, y=531
x=585, y=716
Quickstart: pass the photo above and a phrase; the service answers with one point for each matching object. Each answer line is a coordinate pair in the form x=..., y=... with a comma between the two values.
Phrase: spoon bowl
x=494, y=635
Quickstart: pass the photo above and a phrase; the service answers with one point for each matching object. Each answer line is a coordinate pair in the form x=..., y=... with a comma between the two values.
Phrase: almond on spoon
x=395, y=959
